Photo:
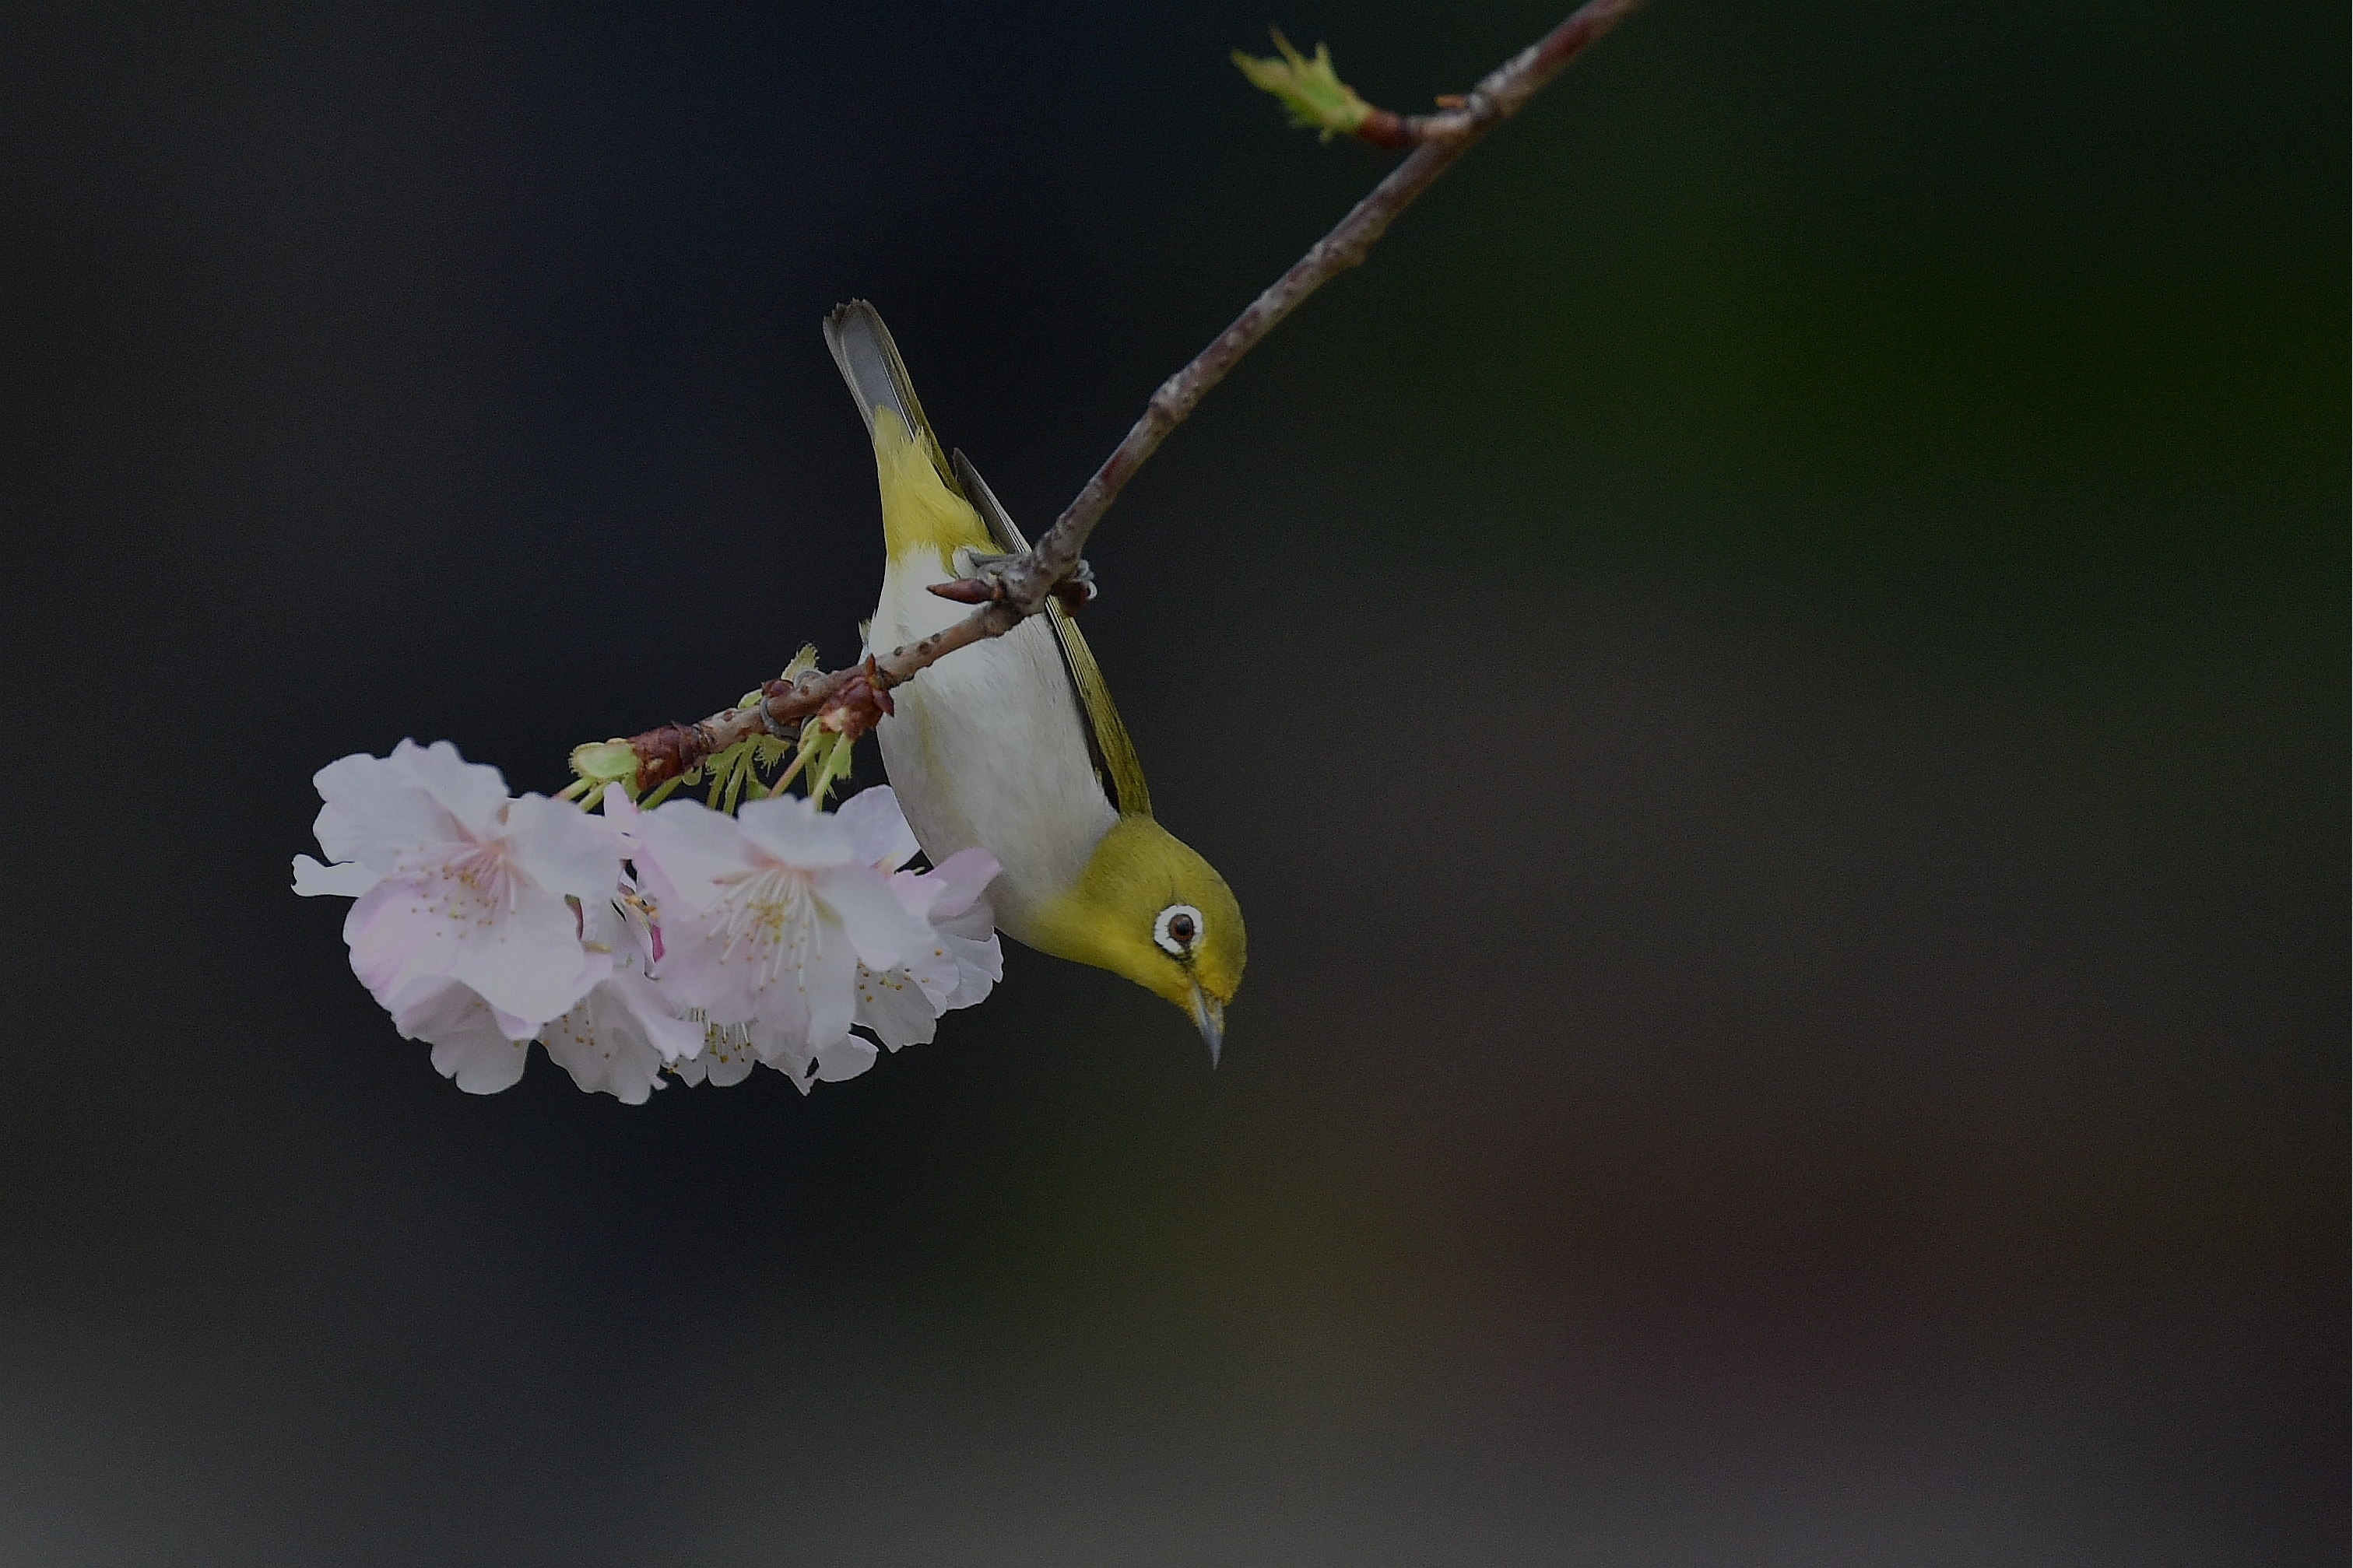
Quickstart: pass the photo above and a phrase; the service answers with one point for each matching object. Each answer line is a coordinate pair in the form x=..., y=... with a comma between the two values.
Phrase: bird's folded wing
x=1107, y=738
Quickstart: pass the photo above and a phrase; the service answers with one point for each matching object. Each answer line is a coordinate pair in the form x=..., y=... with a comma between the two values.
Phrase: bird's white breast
x=988, y=747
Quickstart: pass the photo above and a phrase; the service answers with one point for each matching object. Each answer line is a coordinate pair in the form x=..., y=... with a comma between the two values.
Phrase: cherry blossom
x=469, y=885
x=902, y=1006
x=765, y=917
x=484, y=922
x=618, y=1038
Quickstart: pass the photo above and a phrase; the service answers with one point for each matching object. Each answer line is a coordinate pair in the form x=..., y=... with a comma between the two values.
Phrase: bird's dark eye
x=1177, y=929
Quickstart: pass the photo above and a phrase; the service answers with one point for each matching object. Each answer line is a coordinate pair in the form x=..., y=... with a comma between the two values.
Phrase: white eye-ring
x=1178, y=928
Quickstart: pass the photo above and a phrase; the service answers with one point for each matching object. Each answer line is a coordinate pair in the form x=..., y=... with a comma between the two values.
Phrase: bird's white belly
x=988, y=747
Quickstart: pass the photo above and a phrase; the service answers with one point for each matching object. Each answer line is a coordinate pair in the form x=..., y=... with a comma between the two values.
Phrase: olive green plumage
x=1013, y=745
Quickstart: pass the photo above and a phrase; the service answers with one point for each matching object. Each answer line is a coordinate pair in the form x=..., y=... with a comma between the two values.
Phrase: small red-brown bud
x=966, y=589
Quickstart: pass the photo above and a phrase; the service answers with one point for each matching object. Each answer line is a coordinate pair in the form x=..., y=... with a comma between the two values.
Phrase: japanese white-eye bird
x=1012, y=743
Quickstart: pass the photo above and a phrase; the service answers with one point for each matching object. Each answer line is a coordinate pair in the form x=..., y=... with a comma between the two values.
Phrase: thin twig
x=1440, y=138
x=853, y=700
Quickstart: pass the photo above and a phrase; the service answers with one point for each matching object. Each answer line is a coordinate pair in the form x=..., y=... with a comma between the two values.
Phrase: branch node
x=859, y=703
x=1168, y=399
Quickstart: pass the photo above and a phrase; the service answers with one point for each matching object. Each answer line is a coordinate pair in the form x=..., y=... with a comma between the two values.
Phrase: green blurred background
x=1770, y=674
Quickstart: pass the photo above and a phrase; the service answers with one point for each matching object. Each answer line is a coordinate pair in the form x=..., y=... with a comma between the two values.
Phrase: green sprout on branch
x=1314, y=93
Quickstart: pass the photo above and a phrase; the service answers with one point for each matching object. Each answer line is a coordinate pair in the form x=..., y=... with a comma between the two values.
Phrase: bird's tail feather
x=877, y=377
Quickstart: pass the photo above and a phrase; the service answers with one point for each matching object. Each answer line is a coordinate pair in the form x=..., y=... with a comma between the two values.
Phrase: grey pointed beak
x=1210, y=1017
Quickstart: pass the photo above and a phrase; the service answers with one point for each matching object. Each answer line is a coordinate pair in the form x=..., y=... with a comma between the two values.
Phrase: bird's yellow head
x=1147, y=907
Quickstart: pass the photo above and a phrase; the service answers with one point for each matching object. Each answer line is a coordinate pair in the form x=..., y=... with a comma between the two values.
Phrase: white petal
x=897, y=1007
x=681, y=851
x=935, y=971
x=467, y=1042
x=844, y=1058
x=531, y=963
x=786, y=1051
x=829, y=981
x=638, y=1004
x=886, y=933
x=957, y=880
x=512, y=1027
x=481, y=1067
x=470, y=792
x=375, y=814
x=726, y=1058
x=521, y=954
x=602, y=922
x=980, y=959
x=723, y=959
x=617, y=1039
x=879, y=834
x=562, y=848
x=787, y=829
x=348, y=880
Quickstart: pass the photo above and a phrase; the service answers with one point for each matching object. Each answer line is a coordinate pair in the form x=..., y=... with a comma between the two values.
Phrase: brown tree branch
x=853, y=700
x=1438, y=140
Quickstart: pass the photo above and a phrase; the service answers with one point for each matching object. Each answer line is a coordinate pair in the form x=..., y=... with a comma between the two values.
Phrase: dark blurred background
x=1771, y=675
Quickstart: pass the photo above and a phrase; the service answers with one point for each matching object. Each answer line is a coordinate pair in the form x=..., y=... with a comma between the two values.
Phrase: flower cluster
x=637, y=943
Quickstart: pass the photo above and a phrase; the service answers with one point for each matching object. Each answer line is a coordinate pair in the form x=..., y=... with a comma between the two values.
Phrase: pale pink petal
x=617, y=1039
x=468, y=1043
x=483, y=1065
x=767, y=948
x=897, y=1007
x=722, y=961
x=682, y=851
x=935, y=971
x=513, y=943
x=535, y=967
x=808, y=991
x=606, y=926
x=374, y=813
x=971, y=940
x=785, y=1049
x=470, y=792
x=564, y=848
x=829, y=977
x=846, y=1057
x=957, y=880
x=879, y=834
x=843, y=1056
x=789, y=829
x=884, y=930
x=641, y=1004
x=726, y=1058
x=346, y=880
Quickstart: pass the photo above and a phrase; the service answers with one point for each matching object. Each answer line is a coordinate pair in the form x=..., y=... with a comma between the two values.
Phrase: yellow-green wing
x=1114, y=754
